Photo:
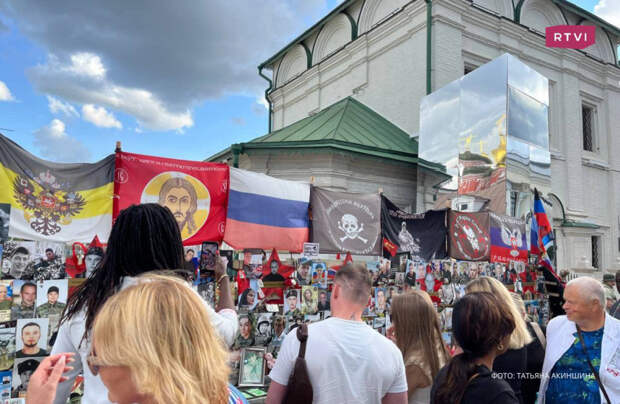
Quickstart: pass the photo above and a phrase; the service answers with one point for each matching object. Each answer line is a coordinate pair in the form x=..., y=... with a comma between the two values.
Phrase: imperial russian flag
x=266, y=212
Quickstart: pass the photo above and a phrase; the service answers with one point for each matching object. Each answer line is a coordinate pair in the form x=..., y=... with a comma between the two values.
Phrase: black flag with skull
x=346, y=222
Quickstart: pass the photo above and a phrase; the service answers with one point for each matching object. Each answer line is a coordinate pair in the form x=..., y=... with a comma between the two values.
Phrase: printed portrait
x=324, y=301
x=51, y=301
x=245, y=338
x=309, y=299
x=92, y=257
x=206, y=290
x=22, y=371
x=187, y=198
x=7, y=348
x=303, y=271
x=18, y=259
x=252, y=367
x=248, y=299
x=292, y=302
x=399, y=278
x=48, y=261
x=31, y=339
x=381, y=306
x=6, y=300
x=24, y=299
x=278, y=332
x=319, y=269
x=263, y=329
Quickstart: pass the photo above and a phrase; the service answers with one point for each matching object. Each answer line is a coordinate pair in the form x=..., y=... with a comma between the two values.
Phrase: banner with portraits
x=195, y=192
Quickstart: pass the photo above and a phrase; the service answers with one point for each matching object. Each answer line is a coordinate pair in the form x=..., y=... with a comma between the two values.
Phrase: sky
x=174, y=79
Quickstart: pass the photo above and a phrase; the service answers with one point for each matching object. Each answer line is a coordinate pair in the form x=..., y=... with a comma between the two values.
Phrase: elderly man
x=357, y=365
x=585, y=338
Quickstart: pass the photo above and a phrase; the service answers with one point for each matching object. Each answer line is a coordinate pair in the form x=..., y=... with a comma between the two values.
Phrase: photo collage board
x=269, y=310
x=36, y=279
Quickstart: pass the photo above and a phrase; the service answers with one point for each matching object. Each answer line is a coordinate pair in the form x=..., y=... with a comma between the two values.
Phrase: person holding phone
x=156, y=245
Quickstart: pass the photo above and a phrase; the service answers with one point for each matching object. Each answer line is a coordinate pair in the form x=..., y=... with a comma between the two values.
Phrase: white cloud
x=87, y=64
x=82, y=79
x=608, y=11
x=5, y=93
x=123, y=60
x=98, y=116
x=57, y=106
x=55, y=144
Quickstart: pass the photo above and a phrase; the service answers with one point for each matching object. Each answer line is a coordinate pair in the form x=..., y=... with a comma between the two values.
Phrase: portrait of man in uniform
x=178, y=195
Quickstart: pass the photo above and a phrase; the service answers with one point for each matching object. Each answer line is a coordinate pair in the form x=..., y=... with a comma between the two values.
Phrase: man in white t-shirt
x=348, y=362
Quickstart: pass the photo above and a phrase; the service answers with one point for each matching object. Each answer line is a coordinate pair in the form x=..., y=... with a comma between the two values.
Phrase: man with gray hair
x=347, y=361
x=582, y=361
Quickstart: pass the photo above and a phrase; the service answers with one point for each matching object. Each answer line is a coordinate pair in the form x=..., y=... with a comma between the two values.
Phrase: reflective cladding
x=482, y=136
x=490, y=130
x=527, y=80
x=439, y=129
x=528, y=119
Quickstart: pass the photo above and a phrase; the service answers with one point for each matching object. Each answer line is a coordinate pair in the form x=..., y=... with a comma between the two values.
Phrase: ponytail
x=458, y=373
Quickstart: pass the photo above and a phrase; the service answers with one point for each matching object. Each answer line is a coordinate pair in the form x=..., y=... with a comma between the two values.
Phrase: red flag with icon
x=195, y=192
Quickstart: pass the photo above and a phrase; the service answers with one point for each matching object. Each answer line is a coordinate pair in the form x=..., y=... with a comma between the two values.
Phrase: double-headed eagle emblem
x=46, y=207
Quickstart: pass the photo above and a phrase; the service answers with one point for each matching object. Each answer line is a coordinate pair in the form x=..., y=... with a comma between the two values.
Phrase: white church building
x=388, y=54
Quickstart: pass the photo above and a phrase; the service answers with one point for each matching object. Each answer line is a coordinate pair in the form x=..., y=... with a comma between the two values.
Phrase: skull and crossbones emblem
x=351, y=228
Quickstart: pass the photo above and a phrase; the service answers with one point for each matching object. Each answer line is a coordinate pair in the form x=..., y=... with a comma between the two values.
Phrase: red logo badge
x=570, y=36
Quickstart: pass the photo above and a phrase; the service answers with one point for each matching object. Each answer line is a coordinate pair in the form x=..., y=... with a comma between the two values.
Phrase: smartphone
x=208, y=256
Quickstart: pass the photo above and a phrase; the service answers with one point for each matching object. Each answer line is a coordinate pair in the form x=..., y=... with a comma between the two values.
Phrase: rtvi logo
x=570, y=36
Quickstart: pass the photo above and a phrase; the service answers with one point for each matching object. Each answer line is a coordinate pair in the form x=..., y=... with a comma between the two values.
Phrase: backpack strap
x=302, y=336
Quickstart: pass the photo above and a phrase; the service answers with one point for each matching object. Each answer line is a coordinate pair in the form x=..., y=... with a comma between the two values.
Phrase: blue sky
x=175, y=82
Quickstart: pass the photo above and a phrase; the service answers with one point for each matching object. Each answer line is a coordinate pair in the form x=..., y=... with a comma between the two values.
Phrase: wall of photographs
x=268, y=310
x=36, y=279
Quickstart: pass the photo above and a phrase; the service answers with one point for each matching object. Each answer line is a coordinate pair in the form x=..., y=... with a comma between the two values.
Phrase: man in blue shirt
x=567, y=375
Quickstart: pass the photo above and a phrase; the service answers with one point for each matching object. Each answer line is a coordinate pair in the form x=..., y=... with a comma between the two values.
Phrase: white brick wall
x=385, y=69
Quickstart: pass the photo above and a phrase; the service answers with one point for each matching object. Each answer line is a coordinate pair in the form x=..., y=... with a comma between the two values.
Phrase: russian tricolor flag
x=266, y=212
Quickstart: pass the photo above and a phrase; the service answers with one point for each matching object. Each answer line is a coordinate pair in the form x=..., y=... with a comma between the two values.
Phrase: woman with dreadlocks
x=144, y=238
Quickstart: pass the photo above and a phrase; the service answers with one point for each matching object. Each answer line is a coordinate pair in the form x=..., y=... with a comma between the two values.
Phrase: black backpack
x=299, y=389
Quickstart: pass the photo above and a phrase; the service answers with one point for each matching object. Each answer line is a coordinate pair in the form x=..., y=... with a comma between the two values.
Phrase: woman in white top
x=144, y=238
x=415, y=330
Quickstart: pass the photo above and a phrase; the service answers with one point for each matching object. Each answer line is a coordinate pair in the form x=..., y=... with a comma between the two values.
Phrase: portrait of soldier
x=25, y=371
x=19, y=263
x=179, y=195
x=93, y=257
x=31, y=334
x=26, y=308
x=52, y=306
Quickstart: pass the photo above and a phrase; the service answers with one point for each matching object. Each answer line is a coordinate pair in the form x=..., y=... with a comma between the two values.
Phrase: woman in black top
x=482, y=325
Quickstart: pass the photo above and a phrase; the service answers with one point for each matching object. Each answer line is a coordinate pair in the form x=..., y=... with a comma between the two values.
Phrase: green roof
x=348, y=126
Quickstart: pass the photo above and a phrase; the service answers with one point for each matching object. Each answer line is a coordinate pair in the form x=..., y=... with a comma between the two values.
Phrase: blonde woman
x=153, y=343
x=513, y=363
x=416, y=332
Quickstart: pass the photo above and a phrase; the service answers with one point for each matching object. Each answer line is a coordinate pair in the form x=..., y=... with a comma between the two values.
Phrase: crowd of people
x=138, y=332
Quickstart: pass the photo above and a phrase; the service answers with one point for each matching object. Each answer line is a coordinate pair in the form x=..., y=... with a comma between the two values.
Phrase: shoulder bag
x=299, y=389
x=598, y=379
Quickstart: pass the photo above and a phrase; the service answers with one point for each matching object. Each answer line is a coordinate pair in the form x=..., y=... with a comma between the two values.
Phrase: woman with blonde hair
x=513, y=363
x=415, y=330
x=535, y=354
x=153, y=343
